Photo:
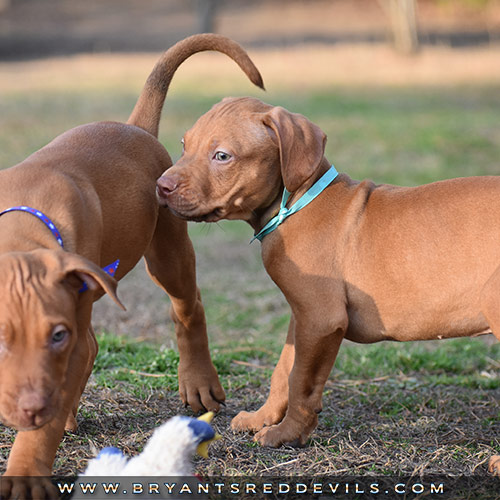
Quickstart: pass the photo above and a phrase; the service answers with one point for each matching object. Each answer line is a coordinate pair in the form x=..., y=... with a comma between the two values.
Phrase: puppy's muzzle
x=165, y=186
x=171, y=191
x=184, y=201
x=30, y=411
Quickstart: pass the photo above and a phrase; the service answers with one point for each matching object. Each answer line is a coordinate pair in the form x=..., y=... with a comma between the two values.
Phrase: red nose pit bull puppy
x=357, y=260
x=84, y=201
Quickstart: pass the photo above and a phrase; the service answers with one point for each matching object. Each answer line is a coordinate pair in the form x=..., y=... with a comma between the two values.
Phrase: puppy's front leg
x=274, y=409
x=316, y=347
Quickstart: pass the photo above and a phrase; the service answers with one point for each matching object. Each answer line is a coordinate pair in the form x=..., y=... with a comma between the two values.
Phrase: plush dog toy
x=168, y=452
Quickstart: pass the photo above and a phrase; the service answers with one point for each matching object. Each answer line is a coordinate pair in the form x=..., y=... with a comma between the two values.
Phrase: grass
x=388, y=408
x=399, y=136
x=460, y=363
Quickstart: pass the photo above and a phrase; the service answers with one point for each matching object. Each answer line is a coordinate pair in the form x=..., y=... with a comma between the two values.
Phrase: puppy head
x=41, y=316
x=236, y=160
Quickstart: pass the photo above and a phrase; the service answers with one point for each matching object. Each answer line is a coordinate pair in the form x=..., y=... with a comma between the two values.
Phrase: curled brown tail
x=147, y=111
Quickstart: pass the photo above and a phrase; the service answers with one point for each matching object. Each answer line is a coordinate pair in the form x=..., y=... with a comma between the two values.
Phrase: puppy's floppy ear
x=92, y=275
x=75, y=270
x=301, y=144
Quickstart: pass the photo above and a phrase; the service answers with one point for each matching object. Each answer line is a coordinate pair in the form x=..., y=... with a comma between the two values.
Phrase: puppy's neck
x=323, y=167
x=266, y=213
x=263, y=216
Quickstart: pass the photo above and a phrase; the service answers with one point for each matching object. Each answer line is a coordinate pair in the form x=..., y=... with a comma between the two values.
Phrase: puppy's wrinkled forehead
x=230, y=116
x=231, y=108
x=241, y=105
x=24, y=281
x=17, y=272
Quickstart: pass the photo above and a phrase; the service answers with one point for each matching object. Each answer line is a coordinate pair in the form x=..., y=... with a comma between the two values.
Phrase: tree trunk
x=403, y=18
x=206, y=15
x=4, y=5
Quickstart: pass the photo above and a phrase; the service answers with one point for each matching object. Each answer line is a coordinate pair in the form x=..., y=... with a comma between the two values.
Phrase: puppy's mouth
x=188, y=210
x=212, y=216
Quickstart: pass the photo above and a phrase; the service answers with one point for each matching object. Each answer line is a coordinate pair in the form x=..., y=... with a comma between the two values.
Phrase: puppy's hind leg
x=490, y=307
x=490, y=302
x=170, y=261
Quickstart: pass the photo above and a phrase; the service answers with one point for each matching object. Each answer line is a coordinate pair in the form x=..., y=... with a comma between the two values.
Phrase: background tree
x=207, y=10
x=403, y=19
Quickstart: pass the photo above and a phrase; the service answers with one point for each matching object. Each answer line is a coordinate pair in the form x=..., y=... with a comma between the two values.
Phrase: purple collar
x=42, y=217
x=109, y=269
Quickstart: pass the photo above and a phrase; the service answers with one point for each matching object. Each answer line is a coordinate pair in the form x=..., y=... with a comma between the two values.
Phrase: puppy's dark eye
x=59, y=335
x=222, y=156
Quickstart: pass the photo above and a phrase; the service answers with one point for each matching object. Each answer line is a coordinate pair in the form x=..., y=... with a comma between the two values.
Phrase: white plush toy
x=167, y=453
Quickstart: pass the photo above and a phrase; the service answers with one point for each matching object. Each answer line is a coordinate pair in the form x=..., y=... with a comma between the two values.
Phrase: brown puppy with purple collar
x=96, y=183
x=361, y=261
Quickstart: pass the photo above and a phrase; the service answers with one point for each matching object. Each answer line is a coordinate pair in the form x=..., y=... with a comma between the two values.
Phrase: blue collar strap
x=316, y=189
x=42, y=217
x=109, y=269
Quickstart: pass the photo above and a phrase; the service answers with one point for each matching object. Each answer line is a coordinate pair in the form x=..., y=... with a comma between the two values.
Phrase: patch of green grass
x=464, y=362
x=139, y=366
x=405, y=403
x=133, y=363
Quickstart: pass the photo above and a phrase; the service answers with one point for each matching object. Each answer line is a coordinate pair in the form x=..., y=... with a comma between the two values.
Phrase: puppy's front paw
x=13, y=487
x=494, y=466
x=200, y=389
x=254, y=421
x=289, y=432
x=247, y=421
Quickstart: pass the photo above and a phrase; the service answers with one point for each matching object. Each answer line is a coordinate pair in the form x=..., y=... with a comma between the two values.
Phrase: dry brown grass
x=304, y=68
x=355, y=437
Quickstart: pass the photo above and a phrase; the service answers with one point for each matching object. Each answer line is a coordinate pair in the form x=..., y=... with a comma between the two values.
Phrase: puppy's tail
x=147, y=111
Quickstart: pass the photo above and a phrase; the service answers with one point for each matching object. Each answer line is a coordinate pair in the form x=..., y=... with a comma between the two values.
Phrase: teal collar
x=316, y=189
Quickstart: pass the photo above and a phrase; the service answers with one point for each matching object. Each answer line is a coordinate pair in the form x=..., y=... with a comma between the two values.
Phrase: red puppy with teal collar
x=356, y=261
